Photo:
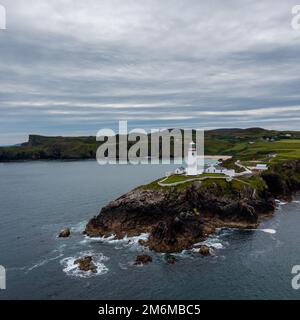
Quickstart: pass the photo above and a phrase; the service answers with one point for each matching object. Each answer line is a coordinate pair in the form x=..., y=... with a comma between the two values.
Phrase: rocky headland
x=178, y=217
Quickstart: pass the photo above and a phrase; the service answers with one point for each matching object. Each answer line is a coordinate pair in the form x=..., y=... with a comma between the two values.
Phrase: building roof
x=262, y=166
x=217, y=167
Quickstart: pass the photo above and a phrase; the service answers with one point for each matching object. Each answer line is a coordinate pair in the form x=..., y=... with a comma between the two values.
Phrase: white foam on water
x=218, y=240
x=183, y=254
x=211, y=242
x=280, y=203
x=88, y=239
x=43, y=262
x=57, y=253
x=215, y=245
x=125, y=242
x=136, y=239
x=72, y=269
x=296, y=201
x=271, y=231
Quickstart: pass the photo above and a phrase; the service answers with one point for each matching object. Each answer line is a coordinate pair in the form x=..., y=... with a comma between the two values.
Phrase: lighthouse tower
x=192, y=160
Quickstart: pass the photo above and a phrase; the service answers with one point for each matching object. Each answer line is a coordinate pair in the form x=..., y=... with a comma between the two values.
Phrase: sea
x=38, y=199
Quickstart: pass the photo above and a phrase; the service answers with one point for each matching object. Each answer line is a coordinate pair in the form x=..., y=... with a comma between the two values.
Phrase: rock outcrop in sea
x=143, y=259
x=86, y=264
x=64, y=233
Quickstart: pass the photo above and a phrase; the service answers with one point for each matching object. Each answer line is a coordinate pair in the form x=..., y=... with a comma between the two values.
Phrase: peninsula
x=178, y=211
x=258, y=166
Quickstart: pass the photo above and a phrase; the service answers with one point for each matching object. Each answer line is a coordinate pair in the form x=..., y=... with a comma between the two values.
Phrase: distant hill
x=220, y=141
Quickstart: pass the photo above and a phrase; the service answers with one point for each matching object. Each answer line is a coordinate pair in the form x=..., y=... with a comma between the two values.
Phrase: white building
x=217, y=169
x=179, y=170
x=261, y=166
x=196, y=167
x=272, y=155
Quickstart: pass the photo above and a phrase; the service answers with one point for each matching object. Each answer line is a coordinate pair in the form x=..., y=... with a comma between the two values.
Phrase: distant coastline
x=219, y=143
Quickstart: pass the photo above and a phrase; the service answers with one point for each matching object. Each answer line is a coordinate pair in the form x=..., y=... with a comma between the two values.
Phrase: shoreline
x=179, y=216
x=213, y=225
x=213, y=157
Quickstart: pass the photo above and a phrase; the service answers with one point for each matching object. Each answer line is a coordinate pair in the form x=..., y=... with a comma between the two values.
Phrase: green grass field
x=180, y=178
x=261, y=150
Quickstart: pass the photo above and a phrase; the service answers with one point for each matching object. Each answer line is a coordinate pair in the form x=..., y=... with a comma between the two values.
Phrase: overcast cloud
x=72, y=67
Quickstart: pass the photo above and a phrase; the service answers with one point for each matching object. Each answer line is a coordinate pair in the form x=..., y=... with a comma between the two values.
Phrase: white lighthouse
x=192, y=160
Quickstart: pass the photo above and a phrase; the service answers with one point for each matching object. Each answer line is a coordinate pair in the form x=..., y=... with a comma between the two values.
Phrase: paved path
x=247, y=171
x=174, y=184
x=227, y=178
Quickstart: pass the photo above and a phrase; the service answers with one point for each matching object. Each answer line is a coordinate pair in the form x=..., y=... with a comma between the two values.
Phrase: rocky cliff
x=177, y=217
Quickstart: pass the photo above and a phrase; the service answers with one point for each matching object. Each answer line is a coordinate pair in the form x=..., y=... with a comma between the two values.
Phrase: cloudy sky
x=70, y=67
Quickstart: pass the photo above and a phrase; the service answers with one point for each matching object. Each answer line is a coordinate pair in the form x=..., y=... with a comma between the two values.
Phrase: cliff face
x=283, y=179
x=178, y=217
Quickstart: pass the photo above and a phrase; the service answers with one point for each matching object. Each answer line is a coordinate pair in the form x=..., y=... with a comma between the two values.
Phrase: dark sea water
x=37, y=199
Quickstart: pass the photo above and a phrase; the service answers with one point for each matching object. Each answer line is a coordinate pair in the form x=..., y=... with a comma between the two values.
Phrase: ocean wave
x=43, y=262
x=186, y=253
x=124, y=242
x=216, y=241
x=212, y=242
x=72, y=269
x=88, y=239
x=267, y=230
x=271, y=231
x=280, y=203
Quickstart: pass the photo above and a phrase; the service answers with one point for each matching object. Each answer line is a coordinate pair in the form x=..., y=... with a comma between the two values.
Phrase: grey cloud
x=72, y=67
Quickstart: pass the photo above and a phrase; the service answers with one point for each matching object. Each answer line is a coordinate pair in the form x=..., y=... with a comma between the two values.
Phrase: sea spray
x=125, y=242
x=72, y=269
x=271, y=231
x=280, y=203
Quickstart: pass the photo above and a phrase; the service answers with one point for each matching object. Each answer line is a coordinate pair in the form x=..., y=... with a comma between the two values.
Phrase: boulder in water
x=204, y=250
x=64, y=233
x=170, y=259
x=86, y=264
x=143, y=259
